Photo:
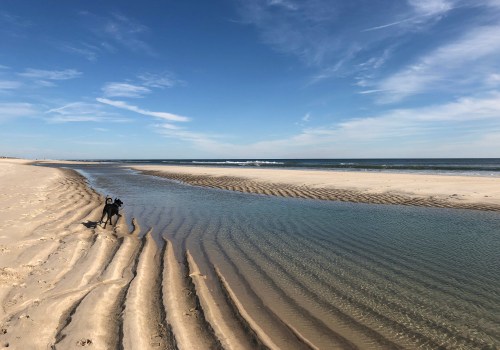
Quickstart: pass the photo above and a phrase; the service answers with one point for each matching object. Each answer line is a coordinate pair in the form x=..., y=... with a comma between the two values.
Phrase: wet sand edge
x=246, y=185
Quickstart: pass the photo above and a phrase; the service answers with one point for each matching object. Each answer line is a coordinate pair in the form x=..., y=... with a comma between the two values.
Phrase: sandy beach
x=66, y=282
x=466, y=192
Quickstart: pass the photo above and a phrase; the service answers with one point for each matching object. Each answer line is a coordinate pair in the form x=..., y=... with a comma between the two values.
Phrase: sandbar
x=445, y=191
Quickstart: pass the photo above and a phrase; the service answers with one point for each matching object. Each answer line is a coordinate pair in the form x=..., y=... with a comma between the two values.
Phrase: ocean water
x=448, y=166
x=382, y=276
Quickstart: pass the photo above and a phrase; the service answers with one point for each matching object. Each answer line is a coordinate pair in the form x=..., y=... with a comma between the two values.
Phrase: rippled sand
x=449, y=191
x=238, y=271
x=67, y=283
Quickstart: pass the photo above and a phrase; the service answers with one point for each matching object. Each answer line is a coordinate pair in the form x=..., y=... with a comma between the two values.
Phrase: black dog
x=111, y=209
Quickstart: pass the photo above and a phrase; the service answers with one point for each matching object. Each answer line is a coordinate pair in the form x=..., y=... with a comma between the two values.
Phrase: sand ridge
x=66, y=283
x=480, y=193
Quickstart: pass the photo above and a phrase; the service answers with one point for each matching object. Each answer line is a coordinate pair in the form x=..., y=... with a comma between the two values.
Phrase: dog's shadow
x=90, y=224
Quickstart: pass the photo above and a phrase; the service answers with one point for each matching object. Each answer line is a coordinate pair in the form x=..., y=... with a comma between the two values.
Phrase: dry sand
x=467, y=192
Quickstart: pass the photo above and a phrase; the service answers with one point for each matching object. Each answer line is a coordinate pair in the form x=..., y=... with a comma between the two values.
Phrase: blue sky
x=250, y=79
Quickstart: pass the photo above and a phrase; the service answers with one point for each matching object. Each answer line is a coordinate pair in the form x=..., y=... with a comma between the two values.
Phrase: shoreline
x=65, y=282
x=438, y=191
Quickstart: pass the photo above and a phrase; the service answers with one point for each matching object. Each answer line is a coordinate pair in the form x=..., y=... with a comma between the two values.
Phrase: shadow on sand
x=90, y=224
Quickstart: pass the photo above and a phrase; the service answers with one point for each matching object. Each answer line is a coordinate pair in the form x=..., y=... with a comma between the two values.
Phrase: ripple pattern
x=302, y=273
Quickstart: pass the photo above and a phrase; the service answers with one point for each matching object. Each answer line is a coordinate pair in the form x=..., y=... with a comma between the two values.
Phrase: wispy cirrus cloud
x=132, y=108
x=81, y=112
x=118, y=30
x=110, y=33
x=141, y=86
x=48, y=78
x=338, y=40
x=457, y=114
x=153, y=80
x=15, y=110
x=124, y=90
x=419, y=13
x=413, y=130
x=9, y=85
x=432, y=7
x=302, y=29
x=316, y=31
x=42, y=74
x=89, y=52
x=304, y=120
x=475, y=52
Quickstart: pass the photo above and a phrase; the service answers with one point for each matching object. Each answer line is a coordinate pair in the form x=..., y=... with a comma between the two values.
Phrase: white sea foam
x=241, y=163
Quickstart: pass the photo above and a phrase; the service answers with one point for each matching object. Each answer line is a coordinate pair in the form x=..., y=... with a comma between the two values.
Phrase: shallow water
x=378, y=276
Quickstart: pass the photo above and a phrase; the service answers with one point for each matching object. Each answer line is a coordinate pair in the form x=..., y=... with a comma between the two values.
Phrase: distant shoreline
x=441, y=191
x=483, y=167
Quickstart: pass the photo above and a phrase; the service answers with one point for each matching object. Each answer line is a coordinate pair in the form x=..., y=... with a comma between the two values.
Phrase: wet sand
x=65, y=282
x=461, y=192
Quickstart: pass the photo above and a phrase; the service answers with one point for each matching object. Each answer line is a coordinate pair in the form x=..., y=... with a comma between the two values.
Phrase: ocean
x=446, y=166
x=374, y=276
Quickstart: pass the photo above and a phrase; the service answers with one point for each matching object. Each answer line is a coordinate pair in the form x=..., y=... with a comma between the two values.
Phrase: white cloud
x=289, y=5
x=145, y=82
x=367, y=92
x=304, y=120
x=493, y=79
x=202, y=141
x=168, y=126
x=157, y=80
x=45, y=83
x=392, y=24
x=303, y=29
x=315, y=32
x=74, y=118
x=476, y=51
x=421, y=132
x=422, y=12
x=161, y=115
x=376, y=62
x=453, y=117
x=431, y=7
x=124, y=90
x=81, y=112
x=51, y=74
x=120, y=30
x=89, y=52
x=9, y=85
x=16, y=110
